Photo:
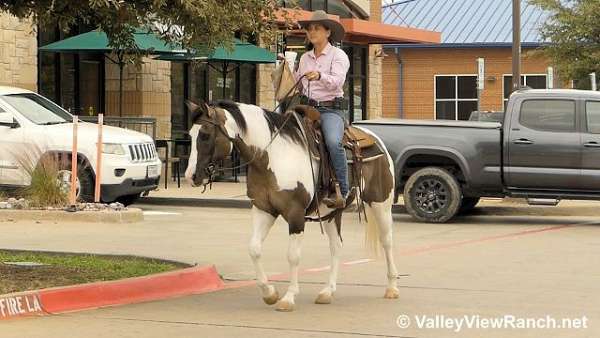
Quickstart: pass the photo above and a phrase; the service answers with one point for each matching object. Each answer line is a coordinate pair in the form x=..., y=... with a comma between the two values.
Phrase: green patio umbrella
x=242, y=52
x=97, y=41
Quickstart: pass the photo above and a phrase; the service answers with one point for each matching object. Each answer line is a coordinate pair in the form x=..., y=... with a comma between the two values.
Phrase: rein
x=212, y=167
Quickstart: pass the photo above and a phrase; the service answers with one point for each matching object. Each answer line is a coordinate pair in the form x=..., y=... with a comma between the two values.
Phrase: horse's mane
x=275, y=121
x=291, y=129
x=234, y=109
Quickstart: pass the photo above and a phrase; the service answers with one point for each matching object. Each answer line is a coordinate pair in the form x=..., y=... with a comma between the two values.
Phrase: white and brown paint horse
x=280, y=183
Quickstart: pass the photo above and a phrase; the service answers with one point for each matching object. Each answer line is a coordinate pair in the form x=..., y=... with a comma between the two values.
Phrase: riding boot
x=336, y=200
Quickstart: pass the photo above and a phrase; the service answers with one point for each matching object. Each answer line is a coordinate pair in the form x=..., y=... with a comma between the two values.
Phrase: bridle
x=212, y=168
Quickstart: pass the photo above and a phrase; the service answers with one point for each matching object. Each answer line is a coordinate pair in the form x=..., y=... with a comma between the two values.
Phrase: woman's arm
x=339, y=68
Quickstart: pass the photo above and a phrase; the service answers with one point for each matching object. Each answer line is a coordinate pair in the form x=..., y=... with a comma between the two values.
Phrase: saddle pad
x=368, y=154
x=354, y=134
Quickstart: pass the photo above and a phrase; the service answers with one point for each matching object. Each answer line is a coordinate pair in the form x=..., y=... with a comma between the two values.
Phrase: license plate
x=153, y=171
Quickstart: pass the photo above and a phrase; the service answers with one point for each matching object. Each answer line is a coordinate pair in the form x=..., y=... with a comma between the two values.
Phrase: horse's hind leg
x=382, y=212
x=335, y=247
x=261, y=224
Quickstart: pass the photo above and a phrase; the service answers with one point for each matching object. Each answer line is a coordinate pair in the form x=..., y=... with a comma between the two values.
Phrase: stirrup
x=337, y=202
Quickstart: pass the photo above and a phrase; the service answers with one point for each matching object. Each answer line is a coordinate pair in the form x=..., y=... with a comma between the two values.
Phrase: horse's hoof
x=271, y=299
x=324, y=298
x=391, y=293
x=284, y=306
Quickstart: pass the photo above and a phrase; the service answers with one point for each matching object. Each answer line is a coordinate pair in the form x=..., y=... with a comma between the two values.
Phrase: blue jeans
x=332, y=125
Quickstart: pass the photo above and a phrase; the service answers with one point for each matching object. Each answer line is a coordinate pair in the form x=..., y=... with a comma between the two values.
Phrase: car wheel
x=432, y=195
x=468, y=204
x=128, y=199
x=84, y=183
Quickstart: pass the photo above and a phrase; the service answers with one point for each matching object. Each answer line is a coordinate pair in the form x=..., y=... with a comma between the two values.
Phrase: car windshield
x=38, y=109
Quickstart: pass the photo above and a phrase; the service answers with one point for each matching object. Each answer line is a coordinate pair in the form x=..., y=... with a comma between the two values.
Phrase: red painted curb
x=188, y=281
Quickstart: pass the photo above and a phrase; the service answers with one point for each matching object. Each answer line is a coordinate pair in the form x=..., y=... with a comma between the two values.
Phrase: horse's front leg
x=287, y=303
x=335, y=247
x=261, y=224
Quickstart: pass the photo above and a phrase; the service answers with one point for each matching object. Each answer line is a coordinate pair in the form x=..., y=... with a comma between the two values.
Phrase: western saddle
x=360, y=147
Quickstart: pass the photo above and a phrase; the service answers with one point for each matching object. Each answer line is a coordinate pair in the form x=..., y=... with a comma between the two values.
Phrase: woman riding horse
x=324, y=68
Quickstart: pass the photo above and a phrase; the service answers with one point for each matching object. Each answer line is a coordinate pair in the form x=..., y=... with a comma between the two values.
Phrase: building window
x=455, y=96
x=535, y=81
x=355, y=87
x=73, y=81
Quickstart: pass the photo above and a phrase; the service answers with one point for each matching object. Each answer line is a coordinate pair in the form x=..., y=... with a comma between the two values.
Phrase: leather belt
x=337, y=103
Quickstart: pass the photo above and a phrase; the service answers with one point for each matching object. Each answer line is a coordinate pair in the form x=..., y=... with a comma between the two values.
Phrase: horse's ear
x=192, y=106
x=211, y=112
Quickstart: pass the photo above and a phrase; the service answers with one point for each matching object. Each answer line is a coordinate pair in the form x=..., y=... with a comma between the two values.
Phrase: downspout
x=400, y=87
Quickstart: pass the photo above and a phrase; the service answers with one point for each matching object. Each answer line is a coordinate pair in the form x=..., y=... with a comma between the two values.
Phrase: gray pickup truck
x=547, y=149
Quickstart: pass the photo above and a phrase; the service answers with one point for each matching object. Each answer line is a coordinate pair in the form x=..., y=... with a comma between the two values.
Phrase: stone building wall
x=265, y=93
x=146, y=92
x=18, y=53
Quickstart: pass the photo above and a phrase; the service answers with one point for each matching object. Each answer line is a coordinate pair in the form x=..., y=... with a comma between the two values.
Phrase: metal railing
x=146, y=125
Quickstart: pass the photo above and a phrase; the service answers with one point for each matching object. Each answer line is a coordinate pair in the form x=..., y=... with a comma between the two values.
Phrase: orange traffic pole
x=99, y=158
x=73, y=194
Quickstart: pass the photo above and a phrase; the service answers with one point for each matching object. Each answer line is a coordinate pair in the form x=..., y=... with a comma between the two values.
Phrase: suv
x=34, y=127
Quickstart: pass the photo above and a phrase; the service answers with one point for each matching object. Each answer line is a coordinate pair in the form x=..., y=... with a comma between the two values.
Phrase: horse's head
x=209, y=142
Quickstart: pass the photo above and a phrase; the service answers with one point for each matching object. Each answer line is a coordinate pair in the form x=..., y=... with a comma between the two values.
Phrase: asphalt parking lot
x=478, y=269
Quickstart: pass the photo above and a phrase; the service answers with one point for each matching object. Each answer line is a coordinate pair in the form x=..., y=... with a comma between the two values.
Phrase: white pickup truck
x=32, y=126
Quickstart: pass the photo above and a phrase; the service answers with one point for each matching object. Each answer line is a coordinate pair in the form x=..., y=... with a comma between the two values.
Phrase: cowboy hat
x=320, y=17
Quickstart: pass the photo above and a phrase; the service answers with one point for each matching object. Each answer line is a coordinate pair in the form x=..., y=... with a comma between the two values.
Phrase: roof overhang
x=363, y=31
x=370, y=32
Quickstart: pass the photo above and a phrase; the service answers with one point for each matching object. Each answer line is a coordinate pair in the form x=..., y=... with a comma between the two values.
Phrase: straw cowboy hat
x=320, y=17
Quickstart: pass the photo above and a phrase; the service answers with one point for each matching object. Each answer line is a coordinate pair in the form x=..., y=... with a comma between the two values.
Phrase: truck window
x=592, y=115
x=548, y=115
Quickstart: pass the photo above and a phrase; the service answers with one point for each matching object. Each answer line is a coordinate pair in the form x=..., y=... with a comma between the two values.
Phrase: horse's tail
x=372, y=242
x=378, y=213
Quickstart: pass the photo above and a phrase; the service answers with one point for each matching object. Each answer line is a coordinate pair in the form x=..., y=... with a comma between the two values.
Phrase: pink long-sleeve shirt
x=333, y=64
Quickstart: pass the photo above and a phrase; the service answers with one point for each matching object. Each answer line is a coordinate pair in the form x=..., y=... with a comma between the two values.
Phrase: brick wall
x=420, y=65
x=18, y=53
x=375, y=10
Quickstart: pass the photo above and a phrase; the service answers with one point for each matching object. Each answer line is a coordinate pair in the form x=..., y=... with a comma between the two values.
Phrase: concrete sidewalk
x=486, y=266
x=233, y=195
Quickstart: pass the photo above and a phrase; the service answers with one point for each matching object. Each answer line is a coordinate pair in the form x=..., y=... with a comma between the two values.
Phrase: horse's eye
x=204, y=136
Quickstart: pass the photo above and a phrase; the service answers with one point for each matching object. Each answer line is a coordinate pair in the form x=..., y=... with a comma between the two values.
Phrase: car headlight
x=113, y=148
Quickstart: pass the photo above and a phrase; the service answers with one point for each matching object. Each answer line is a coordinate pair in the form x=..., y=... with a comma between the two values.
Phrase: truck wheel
x=468, y=204
x=128, y=199
x=432, y=195
x=85, y=182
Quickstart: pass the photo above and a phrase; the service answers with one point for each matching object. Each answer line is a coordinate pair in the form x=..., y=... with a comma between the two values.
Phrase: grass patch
x=45, y=190
x=69, y=269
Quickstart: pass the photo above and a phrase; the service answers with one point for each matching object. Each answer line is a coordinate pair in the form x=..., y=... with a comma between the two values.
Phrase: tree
x=191, y=22
x=573, y=31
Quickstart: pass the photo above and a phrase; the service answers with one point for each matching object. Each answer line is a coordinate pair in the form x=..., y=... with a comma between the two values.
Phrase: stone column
x=374, y=80
x=146, y=92
x=265, y=93
x=18, y=53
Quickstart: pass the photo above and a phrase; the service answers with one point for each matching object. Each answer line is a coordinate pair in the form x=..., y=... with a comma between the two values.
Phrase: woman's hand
x=311, y=76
